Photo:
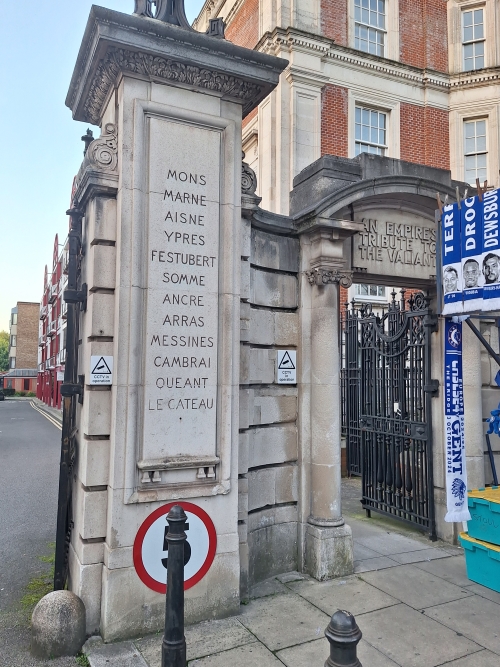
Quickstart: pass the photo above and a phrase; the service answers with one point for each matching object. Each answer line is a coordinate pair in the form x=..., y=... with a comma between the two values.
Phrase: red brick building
x=417, y=81
x=52, y=329
x=23, y=339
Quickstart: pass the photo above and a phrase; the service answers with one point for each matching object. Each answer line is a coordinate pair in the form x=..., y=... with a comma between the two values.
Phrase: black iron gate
x=72, y=391
x=386, y=394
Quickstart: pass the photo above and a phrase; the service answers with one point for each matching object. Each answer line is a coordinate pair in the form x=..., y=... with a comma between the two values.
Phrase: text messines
x=180, y=394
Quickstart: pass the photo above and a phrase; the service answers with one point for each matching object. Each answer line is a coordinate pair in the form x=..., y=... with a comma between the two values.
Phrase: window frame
x=476, y=152
x=473, y=41
x=384, y=147
x=368, y=297
x=382, y=31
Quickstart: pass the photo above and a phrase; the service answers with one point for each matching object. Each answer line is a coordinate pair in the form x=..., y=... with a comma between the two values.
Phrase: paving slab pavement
x=411, y=599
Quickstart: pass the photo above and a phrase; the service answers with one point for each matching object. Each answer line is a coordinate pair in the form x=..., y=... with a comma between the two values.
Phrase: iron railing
x=386, y=391
x=71, y=391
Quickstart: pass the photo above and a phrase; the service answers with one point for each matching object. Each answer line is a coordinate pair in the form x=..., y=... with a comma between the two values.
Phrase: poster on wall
x=470, y=253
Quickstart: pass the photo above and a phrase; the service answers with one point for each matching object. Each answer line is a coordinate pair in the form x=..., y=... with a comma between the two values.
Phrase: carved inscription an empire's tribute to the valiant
x=403, y=246
x=180, y=395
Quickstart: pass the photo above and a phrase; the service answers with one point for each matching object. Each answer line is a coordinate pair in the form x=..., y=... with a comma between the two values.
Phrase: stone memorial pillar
x=327, y=539
x=160, y=193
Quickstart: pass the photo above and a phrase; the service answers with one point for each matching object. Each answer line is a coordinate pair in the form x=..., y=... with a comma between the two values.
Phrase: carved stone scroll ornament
x=102, y=153
x=325, y=277
x=125, y=60
x=248, y=179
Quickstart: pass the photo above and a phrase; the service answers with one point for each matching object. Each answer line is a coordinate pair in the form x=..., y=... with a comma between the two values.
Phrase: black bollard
x=343, y=634
x=173, y=649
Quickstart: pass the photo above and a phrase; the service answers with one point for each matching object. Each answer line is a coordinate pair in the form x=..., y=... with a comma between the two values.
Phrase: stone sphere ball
x=58, y=625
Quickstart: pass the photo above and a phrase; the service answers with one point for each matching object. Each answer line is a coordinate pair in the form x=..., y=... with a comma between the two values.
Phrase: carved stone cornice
x=293, y=39
x=117, y=44
x=320, y=276
x=126, y=60
x=482, y=77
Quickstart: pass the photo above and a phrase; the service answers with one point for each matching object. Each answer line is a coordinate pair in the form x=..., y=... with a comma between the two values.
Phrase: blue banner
x=456, y=470
x=491, y=251
x=451, y=253
x=472, y=253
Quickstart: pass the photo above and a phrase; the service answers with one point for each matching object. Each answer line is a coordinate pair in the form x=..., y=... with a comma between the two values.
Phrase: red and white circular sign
x=150, y=555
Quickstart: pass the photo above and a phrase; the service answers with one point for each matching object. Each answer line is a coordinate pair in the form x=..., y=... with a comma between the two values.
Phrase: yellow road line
x=47, y=416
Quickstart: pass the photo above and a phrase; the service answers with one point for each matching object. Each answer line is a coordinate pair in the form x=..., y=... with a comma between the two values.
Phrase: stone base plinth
x=329, y=552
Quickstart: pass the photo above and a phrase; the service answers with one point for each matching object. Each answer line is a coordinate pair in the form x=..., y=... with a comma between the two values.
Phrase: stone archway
x=369, y=219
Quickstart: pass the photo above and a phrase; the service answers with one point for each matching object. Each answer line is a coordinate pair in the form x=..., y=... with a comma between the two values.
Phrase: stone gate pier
x=160, y=196
x=193, y=291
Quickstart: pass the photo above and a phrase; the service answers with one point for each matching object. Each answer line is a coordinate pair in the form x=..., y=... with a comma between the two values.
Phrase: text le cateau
x=184, y=260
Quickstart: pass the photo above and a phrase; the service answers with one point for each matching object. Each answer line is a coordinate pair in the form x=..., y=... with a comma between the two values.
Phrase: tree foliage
x=4, y=351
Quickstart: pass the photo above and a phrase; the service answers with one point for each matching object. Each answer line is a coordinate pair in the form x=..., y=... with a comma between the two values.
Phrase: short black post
x=173, y=650
x=344, y=635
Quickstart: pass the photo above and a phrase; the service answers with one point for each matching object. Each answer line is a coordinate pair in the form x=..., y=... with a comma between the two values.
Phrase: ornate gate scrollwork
x=387, y=389
x=168, y=11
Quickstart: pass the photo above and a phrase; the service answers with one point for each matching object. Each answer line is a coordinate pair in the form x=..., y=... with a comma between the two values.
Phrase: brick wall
x=27, y=335
x=423, y=34
x=250, y=117
x=334, y=123
x=437, y=35
x=244, y=28
x=334, y=18
x=343, y=298
x=424, y=136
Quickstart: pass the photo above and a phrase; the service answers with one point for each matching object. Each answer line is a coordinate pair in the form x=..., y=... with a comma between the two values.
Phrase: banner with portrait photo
x=456, y=469
x=472, y=253
x=451, y=253
x=491, y=250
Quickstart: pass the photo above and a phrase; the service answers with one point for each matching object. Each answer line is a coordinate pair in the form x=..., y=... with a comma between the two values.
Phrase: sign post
x=173, y=648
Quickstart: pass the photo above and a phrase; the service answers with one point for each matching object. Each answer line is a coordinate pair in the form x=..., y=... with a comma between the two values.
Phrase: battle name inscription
x=396, y=248
x=180, y=394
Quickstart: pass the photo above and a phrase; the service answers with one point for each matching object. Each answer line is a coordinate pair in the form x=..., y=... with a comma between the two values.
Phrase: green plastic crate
x=482, y=561
x=484, y=507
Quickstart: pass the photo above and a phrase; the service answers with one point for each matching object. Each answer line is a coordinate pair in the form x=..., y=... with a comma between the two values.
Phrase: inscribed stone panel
x=180, y=394
x=396, y=244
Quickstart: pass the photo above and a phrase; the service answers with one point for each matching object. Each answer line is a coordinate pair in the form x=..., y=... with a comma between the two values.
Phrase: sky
x=40, y=143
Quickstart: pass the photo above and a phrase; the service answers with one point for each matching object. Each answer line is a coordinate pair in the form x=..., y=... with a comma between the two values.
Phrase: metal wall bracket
x=484, y=342
x=77, y=296
x=69, y=389
x=432, y=388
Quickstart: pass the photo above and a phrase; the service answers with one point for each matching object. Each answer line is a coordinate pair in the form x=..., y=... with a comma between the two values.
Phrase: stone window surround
x=369, y=99
x=455, y=46
x=475, y=111
x=369, y=142
x=391, y=48
x=477, y=152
